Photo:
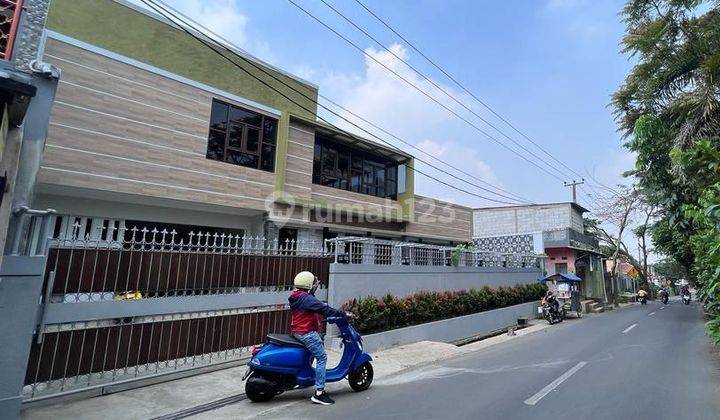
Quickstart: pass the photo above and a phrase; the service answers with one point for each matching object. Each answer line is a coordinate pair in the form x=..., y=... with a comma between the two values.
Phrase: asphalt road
x=644, y=362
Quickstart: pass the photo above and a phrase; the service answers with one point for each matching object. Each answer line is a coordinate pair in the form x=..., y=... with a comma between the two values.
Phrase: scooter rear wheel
x=361, y=378
x=258, y=393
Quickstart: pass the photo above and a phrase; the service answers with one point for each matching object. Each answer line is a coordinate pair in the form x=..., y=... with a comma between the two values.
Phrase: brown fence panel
x=162, y=273
x=128, y=346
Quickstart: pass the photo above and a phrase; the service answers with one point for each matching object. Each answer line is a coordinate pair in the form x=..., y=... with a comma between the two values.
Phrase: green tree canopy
x=669, y=111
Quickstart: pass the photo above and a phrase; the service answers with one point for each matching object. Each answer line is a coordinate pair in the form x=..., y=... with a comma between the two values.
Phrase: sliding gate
x=119, y=307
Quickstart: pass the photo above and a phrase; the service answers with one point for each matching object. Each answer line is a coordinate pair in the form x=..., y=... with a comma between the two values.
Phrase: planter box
x=452, y=329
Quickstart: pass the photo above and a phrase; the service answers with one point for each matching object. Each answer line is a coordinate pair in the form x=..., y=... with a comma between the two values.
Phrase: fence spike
x=133, y=232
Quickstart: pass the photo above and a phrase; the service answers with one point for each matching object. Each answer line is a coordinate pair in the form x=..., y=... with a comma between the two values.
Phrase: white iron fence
x=359, y=250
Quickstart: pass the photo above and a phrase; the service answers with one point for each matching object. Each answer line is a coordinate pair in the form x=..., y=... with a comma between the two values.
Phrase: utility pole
x=574, y=185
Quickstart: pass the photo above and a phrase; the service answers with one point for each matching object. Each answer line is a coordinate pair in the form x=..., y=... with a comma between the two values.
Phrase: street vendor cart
x=566, y=287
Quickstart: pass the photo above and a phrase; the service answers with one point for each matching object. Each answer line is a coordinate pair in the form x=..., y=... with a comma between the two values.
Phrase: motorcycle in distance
x=551, y=314
x=664, y=297
x=642, y=300
x=283, y=363
x=686, y=298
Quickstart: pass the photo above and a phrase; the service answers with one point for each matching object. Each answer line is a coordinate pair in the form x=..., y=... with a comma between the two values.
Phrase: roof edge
x=558, y=203
x=350, y=135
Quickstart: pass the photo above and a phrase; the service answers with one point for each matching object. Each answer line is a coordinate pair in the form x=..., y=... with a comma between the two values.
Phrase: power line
x=157, y=8
x=434, y=84
x=464, y=89
x=471, y=124
x=313, y=100
x=514, y=196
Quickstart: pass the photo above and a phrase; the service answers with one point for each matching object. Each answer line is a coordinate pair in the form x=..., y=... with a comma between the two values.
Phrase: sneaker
x=323, y=399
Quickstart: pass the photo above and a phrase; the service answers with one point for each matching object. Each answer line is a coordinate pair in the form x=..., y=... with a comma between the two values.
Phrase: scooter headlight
x=255, y=361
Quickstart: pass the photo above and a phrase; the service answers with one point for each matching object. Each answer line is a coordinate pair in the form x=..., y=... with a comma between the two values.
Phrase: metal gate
x=122, y=305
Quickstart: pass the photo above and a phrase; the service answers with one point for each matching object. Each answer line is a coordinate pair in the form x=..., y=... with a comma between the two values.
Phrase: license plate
x=540, y=309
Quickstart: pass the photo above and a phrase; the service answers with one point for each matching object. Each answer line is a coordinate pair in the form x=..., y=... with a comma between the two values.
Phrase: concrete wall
x=525, y=219
x=349, y=281
x=560, y=256
x=453, y=329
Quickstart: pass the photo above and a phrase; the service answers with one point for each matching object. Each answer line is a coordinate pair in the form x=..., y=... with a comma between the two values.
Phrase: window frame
x=241, y=146
x=357, y=163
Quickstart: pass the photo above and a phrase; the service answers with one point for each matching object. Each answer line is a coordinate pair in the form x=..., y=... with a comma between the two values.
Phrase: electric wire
x=424, y=93
x=157, y=8
x=468, y=91
x=436, y=85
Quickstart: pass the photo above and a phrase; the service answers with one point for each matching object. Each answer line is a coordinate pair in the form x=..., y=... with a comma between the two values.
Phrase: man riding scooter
x=552, y=306
x=685, y=293
x=663, y=295
x=306, y=310
x=642, y=296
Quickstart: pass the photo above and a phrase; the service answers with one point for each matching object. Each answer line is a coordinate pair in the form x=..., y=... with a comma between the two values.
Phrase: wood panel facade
x=120, y=127
x=440, y=219
x=116, y=127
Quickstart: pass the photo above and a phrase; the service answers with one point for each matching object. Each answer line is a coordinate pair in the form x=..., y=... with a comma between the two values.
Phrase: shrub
x=390, y=312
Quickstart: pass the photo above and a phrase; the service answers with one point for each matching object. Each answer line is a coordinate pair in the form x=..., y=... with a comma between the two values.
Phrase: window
x=561, y=268
x=287, y=239
x=241, y=137
x=184, y=233
x=337, y=166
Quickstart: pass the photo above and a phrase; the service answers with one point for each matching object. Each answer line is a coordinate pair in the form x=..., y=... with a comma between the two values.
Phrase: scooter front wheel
x=361, y=378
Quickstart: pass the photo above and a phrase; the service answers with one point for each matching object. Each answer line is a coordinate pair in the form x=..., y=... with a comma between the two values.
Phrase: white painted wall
x=75, y=206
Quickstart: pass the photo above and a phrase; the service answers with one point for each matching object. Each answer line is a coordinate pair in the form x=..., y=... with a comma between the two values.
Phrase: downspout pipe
x=45, y=78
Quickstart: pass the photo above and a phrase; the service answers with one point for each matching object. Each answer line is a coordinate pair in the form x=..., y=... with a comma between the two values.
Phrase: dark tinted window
x=338, y=166
x=216, y=145
x=244, y=116
x=218, y=116
x=269, y=131
x=242, y=137
x=267, y=159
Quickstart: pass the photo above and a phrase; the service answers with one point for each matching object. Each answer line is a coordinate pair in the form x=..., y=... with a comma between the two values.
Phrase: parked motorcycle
x=551, y=314
x=283, y=363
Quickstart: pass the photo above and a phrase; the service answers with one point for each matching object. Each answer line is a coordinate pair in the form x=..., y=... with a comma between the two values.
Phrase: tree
x=618, y=209
x=670, y=269
x=669, y=111
x=647, y=211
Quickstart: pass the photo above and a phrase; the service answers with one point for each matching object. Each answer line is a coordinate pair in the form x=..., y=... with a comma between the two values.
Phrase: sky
x=547, y=66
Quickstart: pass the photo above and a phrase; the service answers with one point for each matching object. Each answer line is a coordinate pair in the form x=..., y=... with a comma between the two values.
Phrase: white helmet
x=304, y=280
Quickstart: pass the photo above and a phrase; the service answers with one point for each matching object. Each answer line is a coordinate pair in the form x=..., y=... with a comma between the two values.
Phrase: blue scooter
x=283, y=363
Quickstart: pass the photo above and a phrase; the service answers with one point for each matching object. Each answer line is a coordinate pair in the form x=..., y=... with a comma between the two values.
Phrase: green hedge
x=390, y=312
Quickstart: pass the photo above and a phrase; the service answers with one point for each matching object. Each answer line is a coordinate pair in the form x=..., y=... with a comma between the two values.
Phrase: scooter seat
x=286, y=340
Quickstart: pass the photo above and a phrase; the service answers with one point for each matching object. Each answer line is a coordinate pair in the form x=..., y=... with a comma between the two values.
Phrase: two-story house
x=150, y=128
x=564, y=242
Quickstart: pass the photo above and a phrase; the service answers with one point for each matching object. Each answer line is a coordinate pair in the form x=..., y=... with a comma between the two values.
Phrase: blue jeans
x=314, y=343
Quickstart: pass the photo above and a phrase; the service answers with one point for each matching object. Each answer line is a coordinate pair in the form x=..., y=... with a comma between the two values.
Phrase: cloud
x=304, y=71
x=224, y=18
x=433, y=148
x=379, y=96
x=220, y=16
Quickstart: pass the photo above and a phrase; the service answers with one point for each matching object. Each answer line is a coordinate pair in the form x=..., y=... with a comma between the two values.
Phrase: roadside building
x=558, y=231
x=27, y=87
x=151, y=129
x=627, y=276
